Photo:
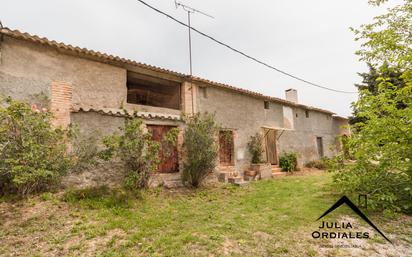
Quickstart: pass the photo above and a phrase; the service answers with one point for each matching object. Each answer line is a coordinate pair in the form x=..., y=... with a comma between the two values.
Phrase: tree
x=370, y=79
x=370, y=82
x=200, y=148
x=382, y=141
x=388, y=40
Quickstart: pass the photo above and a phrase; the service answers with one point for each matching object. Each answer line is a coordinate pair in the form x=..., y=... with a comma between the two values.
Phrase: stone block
x=234, y=180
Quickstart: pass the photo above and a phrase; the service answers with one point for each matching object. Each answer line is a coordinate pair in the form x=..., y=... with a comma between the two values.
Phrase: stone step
x=234, y=180
x=276, y=169
x=223, y=176
x=279, y=174
x=241, y=183
x=250, y=178
x=250, y=173
x=226, y=168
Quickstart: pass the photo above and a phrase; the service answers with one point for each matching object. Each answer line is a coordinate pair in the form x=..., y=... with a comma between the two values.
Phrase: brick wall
x=61, y=103
x=188, y=96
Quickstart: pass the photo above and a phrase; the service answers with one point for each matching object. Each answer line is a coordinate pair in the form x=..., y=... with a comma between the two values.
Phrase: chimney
x=291, y=95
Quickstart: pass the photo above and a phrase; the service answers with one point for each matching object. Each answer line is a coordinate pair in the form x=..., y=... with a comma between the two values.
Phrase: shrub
x=33, y=155
x=288, y=161
x=318, y=164
x=84, y=149
x=200, y=148
x=255, y=148
x=136, y=149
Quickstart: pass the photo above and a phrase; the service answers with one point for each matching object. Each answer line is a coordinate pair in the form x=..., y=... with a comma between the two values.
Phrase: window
x=296, y=115
x=307, y=113
x=266, y=104
x=203, y=92
x=152, y=91
x=319, y=143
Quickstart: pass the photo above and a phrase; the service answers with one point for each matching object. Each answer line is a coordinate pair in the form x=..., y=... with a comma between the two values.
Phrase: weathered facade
x=96, y=91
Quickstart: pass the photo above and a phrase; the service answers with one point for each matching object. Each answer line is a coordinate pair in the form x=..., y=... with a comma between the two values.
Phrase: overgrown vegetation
x=33, y=155
x=84, y=148
x=288, y=161
x=381, y=142
x=100, y=197
x=318, y=164
x=200, y=148
x=216, y=221
x=137, y=151
x=255, y=148
x=371, y=81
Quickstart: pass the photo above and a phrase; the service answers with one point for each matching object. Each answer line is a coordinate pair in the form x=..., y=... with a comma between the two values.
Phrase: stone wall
x=246, y=115
x=111, y=173
x=28, y=69
x=302, y=140
x=243, y=114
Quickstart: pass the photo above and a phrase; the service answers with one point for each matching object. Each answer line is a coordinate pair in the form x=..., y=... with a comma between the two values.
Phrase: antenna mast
x=190, y=10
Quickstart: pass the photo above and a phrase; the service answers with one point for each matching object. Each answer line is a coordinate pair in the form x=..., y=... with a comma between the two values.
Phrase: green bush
x=288, y=161
x=33, y=155
x=136, y=149
x=318, y=164
x=255, y=148
x=200, y=148
x=84, y=149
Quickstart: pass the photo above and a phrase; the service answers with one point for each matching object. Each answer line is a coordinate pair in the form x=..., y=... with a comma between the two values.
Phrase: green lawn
x=266, y=218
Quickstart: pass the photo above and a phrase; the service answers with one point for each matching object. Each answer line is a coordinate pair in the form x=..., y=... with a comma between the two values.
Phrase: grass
x=267, y=218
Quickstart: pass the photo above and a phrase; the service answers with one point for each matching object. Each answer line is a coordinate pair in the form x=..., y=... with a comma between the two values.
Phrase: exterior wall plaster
x=244, y=114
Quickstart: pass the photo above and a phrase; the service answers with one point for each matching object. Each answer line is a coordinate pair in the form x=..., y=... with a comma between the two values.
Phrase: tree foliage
x=371, y=81
x=200, y=148
x=381, y=142
x=382, y=148
x=388, y=39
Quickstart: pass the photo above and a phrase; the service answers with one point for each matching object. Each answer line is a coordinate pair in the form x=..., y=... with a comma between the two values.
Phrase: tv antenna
x=189, y=11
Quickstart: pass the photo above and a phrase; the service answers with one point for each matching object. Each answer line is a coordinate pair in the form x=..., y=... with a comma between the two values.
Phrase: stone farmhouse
x=94, y=90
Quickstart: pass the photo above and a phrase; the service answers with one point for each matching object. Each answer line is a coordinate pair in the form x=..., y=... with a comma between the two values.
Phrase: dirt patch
x=307, y=172
x=34, y=226
x=52, y=228
x=230, y=247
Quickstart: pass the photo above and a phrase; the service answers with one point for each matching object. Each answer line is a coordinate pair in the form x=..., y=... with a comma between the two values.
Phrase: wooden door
x=169, y=161
x=270, y=142
x=226, y=148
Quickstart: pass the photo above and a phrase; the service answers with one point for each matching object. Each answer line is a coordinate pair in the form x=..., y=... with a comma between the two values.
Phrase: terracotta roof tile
x=125, y=113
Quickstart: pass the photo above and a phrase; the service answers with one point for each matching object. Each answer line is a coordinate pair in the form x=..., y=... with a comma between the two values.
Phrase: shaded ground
x=267, y=218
